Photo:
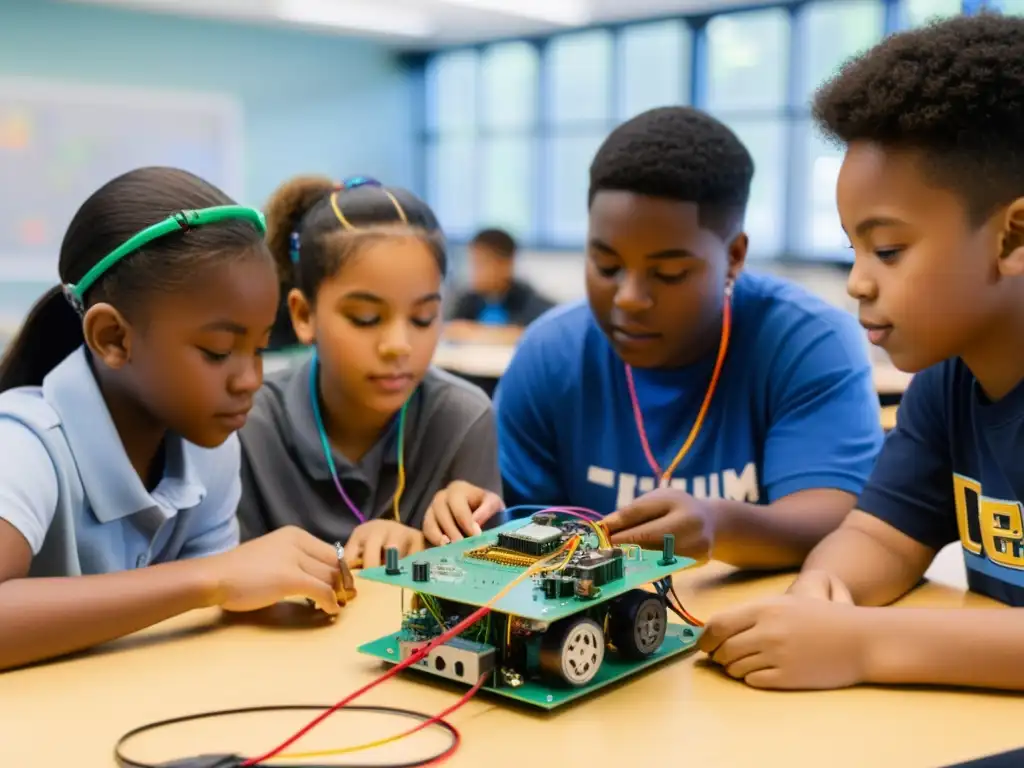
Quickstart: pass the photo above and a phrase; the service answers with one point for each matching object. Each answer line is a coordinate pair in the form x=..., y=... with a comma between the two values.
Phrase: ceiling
x=423, y=24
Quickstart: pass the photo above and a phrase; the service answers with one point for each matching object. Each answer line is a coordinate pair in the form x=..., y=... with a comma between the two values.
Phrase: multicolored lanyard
x=665, y=476
x=315, y=400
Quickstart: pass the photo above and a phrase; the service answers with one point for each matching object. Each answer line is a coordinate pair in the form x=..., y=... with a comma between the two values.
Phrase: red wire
x=422, y=652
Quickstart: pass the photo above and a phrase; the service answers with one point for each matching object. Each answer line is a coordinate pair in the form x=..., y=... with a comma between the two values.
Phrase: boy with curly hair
x=931, y=194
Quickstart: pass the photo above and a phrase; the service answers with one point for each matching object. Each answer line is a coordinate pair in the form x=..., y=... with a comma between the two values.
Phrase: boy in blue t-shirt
x=751, y=398
x=931, y=192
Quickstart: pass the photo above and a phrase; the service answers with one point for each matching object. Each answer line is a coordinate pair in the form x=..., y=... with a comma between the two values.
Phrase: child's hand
x=366, y=545
x=665, y=510
x=789, y=643
x=459, y=511
x=821, y=586
x=286, y=563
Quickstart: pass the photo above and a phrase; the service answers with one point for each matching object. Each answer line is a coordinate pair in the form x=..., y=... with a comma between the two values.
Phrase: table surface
x=71, y=712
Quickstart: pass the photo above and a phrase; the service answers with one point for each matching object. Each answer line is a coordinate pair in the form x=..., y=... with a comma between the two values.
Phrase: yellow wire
x=537, y=567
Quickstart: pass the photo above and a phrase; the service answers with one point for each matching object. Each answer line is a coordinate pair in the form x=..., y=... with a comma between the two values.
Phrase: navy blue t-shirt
x=951, y=470
x=795, y=408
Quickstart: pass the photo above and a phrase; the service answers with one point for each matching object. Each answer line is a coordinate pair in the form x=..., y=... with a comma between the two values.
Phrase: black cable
x=235, y=761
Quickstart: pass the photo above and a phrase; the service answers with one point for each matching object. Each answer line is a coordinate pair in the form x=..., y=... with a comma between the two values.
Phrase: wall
x=310, y=102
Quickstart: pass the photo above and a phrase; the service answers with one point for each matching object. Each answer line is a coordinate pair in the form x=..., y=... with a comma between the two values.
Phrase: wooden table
x=69, y=713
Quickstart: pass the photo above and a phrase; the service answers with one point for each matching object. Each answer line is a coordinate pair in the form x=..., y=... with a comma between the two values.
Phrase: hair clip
x=359, y=181
x=293, y=251
x=72, y=299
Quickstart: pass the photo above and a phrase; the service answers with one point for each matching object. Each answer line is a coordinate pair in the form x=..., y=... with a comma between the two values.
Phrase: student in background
x=119, y=468
x=931, y=193
x=497, y=306
x=747, y=397
x=365, y=443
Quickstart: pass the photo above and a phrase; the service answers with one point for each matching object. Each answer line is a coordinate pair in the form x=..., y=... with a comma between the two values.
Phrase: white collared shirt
x=67, y=485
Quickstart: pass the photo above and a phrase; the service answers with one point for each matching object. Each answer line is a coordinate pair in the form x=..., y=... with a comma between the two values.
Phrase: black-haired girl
x=119, y=400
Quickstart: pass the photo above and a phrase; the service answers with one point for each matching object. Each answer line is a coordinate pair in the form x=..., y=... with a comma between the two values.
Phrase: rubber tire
x=563, y=640
x=636, y=624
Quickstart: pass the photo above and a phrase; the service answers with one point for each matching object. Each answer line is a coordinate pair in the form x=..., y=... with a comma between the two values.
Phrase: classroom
x=511, y=371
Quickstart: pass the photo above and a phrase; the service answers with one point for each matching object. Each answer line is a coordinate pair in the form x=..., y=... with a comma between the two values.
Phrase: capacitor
x=421, y=570
x=391, y=561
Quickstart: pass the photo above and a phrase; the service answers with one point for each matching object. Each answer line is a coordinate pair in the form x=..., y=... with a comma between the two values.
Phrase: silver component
x=541, y=534
x=458, y=659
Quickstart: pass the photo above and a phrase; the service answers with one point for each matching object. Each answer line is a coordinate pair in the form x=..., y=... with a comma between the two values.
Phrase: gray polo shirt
x=450, y=435
x=67, y=485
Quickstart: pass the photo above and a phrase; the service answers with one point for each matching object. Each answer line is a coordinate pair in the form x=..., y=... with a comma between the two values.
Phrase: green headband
x=181, y=221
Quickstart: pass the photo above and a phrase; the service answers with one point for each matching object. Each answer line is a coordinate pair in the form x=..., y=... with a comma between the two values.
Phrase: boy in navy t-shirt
x=752, y=399
x=931, y=192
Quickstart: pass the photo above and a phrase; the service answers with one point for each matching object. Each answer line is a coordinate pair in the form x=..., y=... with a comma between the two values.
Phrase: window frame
x=793, y=114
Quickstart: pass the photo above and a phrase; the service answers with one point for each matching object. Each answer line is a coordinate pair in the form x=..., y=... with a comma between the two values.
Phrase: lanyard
x=315, y=399
x=665, y=476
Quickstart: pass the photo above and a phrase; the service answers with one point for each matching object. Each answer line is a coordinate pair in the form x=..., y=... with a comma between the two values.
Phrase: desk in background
x=71, y=712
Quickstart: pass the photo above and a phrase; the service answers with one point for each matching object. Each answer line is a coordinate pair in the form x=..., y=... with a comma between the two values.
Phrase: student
x=931, y=193
x=749, y=397
x=497, y=306
x=365, y=443
x=119, y=469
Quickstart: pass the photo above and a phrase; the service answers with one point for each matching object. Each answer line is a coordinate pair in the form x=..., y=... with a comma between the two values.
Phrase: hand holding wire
x=286, y=563
x=665, y=510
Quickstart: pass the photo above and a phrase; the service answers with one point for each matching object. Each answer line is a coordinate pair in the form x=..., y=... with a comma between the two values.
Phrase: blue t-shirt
x=493, y=314
x=951, y=470
x=795, y=408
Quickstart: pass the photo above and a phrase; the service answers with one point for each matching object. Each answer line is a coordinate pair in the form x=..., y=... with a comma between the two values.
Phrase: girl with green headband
x=364, y=443
x=119, y=403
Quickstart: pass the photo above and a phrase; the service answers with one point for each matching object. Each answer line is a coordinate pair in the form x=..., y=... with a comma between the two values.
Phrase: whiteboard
x=60, y=141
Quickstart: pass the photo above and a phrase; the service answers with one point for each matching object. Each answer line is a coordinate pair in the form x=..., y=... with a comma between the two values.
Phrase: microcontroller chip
x=532, y=539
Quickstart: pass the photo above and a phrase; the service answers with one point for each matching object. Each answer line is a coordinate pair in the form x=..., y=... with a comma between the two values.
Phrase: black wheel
x=571, y=651
x=637, y=623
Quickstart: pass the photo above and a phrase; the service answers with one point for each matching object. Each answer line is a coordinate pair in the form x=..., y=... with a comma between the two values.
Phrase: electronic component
x=556, y=586
x=582, y=621
x=532, y=539
x=391, y=567
x=668, y=549
x=599, y=566
x=420, y=571
x=458, y=659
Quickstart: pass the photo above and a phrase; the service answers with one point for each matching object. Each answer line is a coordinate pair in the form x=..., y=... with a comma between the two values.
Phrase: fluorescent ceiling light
x=567, y=12
x=357, y=16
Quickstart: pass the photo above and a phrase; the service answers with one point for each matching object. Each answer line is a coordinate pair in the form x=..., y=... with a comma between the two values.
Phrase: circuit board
x=678, y=640
x=452, y=575
x=570, y=612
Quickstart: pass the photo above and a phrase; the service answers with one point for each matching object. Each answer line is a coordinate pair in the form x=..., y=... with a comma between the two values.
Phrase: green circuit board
x=463, y=579
x=678, y=639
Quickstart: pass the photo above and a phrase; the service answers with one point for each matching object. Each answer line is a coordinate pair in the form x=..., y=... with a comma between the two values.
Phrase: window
x=766, y=213
x=567, y=164
x=450, y=185
x=654, y=67
x=579, y=74
x=829, y=33
x=917, y=13
x=451, y=92
x=817, y=231
x=508, y=186
x=509, y=73
x=748, y=57
x=511, y=127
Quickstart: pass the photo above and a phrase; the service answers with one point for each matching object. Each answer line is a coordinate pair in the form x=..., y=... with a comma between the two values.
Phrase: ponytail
x=51, y=332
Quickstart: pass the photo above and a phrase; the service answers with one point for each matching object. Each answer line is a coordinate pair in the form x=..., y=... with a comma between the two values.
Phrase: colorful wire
x=458, y=629
x=665, y=476
x=325, y=444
